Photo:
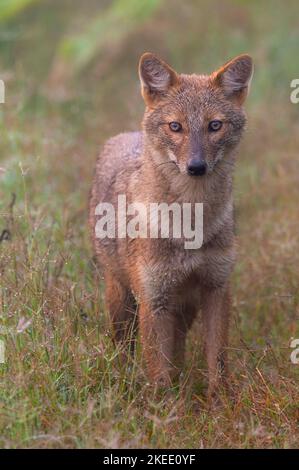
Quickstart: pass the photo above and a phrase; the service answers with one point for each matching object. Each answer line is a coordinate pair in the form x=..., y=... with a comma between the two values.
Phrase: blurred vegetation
x=70, y=70
x=105, y=30
x=11, y=8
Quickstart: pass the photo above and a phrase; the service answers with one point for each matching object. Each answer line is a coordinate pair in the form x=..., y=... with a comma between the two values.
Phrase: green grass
x=62, y=384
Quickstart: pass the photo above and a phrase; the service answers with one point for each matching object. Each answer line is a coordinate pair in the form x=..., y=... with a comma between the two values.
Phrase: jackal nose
x=198, y=168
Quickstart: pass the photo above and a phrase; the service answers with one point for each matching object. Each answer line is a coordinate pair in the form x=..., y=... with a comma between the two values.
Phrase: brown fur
x=170, y=283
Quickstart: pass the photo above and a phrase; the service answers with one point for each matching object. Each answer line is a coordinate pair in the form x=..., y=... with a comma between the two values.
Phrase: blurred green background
x=70, y=73
x=86, y=53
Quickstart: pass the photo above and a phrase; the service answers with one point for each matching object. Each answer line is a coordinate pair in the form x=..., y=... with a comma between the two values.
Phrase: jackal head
x=194, y=121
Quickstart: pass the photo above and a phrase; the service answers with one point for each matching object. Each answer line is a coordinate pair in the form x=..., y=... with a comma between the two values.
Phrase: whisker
x=220, y=172
x=227, y=163
x=164, y=163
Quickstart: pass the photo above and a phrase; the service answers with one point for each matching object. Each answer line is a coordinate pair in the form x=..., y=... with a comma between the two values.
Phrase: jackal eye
x=215, y=125
x=175, y=126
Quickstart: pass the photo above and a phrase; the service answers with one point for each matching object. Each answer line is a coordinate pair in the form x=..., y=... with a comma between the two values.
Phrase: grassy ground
x=61, y=385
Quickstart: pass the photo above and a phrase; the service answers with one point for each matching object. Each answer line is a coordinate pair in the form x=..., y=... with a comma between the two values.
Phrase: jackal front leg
x=157, y=329
x=215, y=314
x=122, y=309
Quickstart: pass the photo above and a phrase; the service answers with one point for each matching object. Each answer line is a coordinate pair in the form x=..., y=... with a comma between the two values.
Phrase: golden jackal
x=185, y=153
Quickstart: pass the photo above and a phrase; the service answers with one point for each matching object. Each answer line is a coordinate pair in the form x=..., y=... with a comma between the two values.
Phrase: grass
x=62, y=385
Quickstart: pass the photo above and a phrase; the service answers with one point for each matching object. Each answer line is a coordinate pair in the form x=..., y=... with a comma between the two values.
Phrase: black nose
x=198, y=168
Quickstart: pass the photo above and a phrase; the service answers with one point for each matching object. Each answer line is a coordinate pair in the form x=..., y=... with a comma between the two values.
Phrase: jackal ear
x=235, y=77
x=156, y=77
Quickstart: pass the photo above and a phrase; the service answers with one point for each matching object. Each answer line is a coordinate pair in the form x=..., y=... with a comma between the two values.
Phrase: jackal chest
x=183, y=272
